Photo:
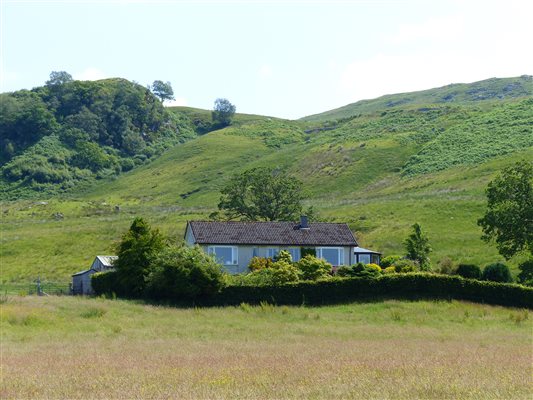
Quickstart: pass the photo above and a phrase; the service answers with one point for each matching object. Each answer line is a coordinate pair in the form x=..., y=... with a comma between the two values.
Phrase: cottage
x=81, y=281
x=234, y=243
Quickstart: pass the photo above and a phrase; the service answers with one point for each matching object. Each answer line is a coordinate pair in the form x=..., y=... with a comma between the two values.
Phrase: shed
x=366, y=256
x=81, y=281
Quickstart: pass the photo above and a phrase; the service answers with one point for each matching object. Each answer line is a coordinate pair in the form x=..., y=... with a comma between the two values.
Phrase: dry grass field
x=81, y=348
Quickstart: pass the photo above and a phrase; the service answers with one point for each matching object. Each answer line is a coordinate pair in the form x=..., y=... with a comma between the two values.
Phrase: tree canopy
x=508, y=219
x=418, y=248
x=163, y=90
x=262, y=194
x=58, y=78
x=223, y=112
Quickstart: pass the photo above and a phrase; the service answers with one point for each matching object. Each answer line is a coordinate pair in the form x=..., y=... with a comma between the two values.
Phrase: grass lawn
x=65, y=347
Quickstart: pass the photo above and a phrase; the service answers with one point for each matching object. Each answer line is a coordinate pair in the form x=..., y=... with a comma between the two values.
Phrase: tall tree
x=509, y=217
x=163, y=90
x=262, y=194
x=58, y=78
x=223, y=112
x=139, y=244
x=418, y=248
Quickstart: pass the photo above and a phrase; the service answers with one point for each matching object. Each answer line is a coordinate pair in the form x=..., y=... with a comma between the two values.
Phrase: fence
x=37, y=287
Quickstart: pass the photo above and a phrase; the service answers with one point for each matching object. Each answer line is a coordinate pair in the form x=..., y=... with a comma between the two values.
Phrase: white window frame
x=274, y=250
x=340, y=254
x=234, y=254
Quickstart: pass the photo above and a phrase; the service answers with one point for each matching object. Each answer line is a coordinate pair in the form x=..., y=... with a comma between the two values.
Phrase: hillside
x=486, y=91
x=380, y=172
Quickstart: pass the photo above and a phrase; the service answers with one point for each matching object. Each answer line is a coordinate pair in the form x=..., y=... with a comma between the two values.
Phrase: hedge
x=410, y=286
x=394, y=286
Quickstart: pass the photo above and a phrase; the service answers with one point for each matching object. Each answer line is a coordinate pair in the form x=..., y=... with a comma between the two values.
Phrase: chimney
x=303, y=222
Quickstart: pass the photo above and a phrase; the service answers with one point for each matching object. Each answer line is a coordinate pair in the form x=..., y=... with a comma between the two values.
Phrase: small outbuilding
x=81, y=281
x=366, y=256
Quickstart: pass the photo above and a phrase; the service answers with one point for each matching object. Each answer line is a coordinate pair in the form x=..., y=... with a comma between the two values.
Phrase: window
x=272, y=252
x=333, y=255
x=225, y=255
x=295, y=253
x=364, y=258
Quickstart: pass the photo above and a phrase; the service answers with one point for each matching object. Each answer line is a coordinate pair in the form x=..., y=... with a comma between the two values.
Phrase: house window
x=272, y=252
x=295, y=253
x=333, y=255
x=225, y=255
x=364, y=258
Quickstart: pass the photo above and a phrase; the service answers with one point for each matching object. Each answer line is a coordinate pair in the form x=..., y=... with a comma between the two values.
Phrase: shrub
x=105, y=283
x=389, y=261
x=526, y=272
x=312, y=268
x=404, y=265
x=183, y=272
x=374, y=266
x=258, y=263
x=389, y=270
x=344, y=271
x=497, y=272
x=283, y=272
x=446, y=266
x=469, y=271
x=283, y=255
x=364, y=271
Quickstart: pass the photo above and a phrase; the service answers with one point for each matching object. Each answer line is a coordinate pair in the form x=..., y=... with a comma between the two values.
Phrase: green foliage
x=284, y=256
x=163, y=90
x=259, y=263
x=58, y=78
x=418, y=248
x=389, y=261
x=405, y=265
x=469, y=271
x=446, y=266
x=262, y=194
x=525, y=276
x=137, y=247
x=509, y=216
x=312, y=268
x=497, y=272
x=181, y=273
x=106, y=283
x=360, y=270
x=223, y=112
x=389, y=286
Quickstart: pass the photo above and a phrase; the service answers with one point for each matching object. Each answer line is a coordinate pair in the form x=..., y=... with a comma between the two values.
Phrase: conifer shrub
x=259, y=263
x=469, y=271
x=497, y=272
x=312, y=268
x=389, y=261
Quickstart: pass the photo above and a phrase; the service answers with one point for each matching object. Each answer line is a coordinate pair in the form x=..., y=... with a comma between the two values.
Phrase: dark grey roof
x=272, y=233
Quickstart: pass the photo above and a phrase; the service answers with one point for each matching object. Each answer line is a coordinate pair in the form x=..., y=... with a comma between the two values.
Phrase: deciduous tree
x=509, y=217
x=418, y=248
x=223, y=112
x=163, y=90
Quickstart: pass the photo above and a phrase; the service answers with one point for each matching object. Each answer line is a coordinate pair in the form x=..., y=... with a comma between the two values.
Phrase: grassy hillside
x=380, y=172
x=490, y=90
x=395, y=350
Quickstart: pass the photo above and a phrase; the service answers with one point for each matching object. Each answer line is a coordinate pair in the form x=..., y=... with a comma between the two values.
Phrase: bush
x=181, y=272
x=344, y=271
x=283, y=255
x=389, y=261
x=389, y=270
x=497, y=272
x=395, y=286
x=374, y=266
x=283, y=272
x=259, y=263
x=469, y=271
x=446, y=266
x=105, y=283
x=525, y=276
x=360, y=270
x=404, y=265
x=312, y=268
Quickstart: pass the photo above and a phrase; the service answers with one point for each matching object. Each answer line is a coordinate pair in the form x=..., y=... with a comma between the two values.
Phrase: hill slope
x=380, y=172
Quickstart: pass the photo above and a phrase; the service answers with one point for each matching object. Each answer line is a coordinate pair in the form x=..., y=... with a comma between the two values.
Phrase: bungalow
x=81, y=281
x=234, y=243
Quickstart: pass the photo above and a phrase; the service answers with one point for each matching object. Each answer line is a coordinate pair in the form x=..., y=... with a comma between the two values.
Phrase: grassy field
x=64, y=347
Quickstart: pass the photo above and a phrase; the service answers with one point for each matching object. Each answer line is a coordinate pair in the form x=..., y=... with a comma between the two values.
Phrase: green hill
x=379, y=171
x=489, y=90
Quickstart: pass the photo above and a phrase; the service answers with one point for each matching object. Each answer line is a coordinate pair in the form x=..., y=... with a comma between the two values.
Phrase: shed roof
x=107, y=261
x=272, y=233
x=85, y=272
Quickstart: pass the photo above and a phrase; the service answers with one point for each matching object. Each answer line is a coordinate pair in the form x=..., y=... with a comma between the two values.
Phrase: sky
x=285, y=59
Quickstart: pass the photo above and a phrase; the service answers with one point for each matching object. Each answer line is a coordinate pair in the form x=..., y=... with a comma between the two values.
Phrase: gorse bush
x=470, y=271
x=497, y=272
